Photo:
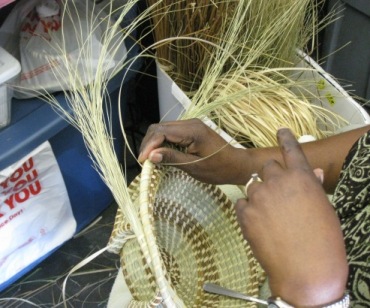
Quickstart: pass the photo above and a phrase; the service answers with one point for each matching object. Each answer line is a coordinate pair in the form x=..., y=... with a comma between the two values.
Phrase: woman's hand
x=208, y=157
x=294, y=231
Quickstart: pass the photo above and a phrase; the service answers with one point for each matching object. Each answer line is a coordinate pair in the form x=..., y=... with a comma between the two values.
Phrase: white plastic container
x=329, y=94
x=9, y=69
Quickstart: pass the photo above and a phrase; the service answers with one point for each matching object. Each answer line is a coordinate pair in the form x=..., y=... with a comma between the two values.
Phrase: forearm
x=327, y=154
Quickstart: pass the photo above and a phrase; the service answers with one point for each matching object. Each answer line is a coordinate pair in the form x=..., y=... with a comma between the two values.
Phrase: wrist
x=241, y=161
x=277, y=302
x=251, y=161
x=311, y=295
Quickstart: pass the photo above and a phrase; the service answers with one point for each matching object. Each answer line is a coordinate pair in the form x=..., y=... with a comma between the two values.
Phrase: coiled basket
x=192, y=237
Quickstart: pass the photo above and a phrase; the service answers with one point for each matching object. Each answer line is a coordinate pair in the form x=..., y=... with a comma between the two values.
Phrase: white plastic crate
x=327, y=93
x=9, y=69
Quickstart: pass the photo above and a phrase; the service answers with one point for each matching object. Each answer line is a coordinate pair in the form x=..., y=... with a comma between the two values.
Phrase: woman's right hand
x=293, y=230
x=207, y=156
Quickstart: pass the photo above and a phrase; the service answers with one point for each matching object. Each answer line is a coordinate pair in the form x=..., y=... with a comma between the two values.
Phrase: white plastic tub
x=329, y=94
x=9, y=69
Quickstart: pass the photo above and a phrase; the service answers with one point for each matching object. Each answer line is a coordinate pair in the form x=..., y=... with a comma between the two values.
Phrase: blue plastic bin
x=33, y=122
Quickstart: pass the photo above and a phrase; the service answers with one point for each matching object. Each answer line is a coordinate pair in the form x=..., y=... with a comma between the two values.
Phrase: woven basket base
x=199, y=241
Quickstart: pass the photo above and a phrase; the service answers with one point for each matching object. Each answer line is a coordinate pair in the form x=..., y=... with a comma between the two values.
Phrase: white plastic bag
x=42, y=27
x=35, y=212
x=5, y=2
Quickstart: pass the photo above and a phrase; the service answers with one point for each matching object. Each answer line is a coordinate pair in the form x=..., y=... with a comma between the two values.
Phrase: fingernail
x=155, y=158
x=140, y=158
x=319, y=174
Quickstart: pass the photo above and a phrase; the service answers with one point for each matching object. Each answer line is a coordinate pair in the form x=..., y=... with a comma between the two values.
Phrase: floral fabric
x=352, y=202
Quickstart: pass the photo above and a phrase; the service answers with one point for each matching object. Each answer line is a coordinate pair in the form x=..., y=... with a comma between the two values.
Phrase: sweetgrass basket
x=193, y=237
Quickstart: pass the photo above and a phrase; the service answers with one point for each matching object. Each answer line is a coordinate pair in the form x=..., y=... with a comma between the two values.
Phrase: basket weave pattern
x=193, y=238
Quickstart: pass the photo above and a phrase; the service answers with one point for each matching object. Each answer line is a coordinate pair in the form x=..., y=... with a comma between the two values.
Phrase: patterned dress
x=352, y=202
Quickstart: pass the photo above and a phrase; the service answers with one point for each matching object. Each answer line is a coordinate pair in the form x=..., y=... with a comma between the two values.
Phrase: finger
x=241, y=210
x=239, y=204
x=157, y=134
x=271, y=168
x=253, y=181
x=171, y=156
x=291, y=150
x=240, y=207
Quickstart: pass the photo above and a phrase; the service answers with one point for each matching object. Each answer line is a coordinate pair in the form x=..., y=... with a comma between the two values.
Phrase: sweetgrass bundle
x=238, y=69
x=221, y=34
x=185, y=59
x=251, y=108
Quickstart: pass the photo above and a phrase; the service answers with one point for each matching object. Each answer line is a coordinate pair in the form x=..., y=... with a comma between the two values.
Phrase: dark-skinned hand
x=293, y=230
